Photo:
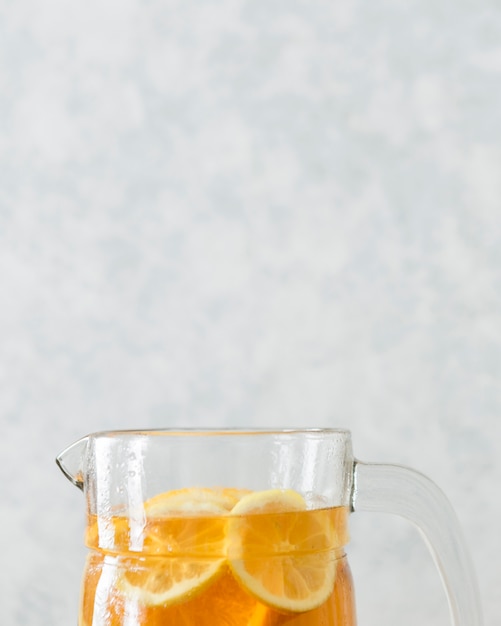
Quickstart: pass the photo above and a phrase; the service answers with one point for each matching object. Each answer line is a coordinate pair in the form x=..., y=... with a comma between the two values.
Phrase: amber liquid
x=223, y=601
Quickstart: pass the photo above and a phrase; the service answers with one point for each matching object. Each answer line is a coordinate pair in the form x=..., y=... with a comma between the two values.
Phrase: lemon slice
x=184, y=547
x=280, y=552
x=174, y=580
x=194, y=500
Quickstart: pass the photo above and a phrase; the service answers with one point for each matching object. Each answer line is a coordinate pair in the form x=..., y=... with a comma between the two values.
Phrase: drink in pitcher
x=242, y=527
x=219, y=557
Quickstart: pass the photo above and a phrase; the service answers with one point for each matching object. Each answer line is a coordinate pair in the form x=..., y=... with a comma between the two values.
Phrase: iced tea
x=219, y=557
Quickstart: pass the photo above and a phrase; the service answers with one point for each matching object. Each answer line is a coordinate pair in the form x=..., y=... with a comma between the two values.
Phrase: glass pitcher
x=242, y=527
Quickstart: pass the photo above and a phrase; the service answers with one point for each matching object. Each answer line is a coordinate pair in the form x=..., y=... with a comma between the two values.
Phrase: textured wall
x=261, y=212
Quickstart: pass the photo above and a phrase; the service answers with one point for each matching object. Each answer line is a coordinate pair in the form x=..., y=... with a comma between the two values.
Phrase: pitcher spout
x=70, y=462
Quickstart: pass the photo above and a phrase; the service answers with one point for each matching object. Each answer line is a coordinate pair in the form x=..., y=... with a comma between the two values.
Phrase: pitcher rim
x=216, y=431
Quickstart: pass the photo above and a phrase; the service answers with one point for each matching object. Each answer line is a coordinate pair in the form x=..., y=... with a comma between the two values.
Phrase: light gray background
x=251, y=213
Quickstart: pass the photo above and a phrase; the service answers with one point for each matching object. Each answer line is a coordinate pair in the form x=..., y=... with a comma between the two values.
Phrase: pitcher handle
x=408, y=493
